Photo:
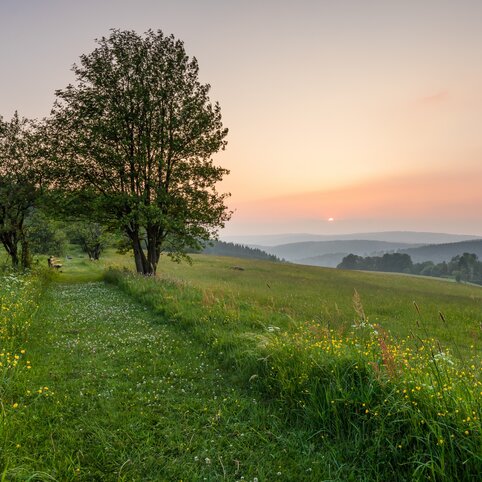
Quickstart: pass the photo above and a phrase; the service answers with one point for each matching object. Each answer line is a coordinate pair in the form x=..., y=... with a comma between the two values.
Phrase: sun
x=331, y=220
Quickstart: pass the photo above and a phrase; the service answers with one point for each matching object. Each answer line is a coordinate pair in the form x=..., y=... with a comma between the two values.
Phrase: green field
x=269, y=372
x=304, y=293
x=325, y=295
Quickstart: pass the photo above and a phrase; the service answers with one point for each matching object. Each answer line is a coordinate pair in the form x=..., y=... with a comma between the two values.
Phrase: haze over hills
x=330, y=253
x=413, y=237
x=327, y=252
x=443, y=252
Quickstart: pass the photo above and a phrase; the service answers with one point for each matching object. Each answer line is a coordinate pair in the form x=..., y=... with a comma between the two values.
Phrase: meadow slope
x=325, y=295
x=233, y=369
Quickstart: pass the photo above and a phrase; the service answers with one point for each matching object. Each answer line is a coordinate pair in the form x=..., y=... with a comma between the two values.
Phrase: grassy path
x=118, y=394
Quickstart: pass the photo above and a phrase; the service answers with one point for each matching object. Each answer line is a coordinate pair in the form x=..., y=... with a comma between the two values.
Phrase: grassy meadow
x=231, y=369
x=285, y=292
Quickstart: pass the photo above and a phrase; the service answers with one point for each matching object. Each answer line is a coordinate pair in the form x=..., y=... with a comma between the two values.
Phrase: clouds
x=437, y=98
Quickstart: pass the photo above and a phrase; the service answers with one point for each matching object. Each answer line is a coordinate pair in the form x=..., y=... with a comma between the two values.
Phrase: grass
x=386, y=405
x=116, y=393
x=211, y=373
x=303, y=293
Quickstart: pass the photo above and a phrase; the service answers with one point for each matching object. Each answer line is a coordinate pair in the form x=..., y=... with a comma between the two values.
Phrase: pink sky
x=368, y=112
x=422, y=202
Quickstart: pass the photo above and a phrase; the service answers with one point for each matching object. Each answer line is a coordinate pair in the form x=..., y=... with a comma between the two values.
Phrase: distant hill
x=221, y=248
x=330, y=260
x=318, y=252
x=389, y=236
x=443, y=252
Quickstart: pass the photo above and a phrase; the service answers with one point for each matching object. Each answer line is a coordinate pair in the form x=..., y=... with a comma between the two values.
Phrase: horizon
x=355, y=233
x=415, y=238
x=342, y=120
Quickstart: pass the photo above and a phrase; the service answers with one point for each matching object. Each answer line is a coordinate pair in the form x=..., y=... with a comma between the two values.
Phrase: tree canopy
x=134, y=138
x=466, y=266
x=20, y=181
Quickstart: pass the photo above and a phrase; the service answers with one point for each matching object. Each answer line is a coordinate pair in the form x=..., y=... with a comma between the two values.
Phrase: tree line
x=222, y=248
x=127, y=149
x=463, y=267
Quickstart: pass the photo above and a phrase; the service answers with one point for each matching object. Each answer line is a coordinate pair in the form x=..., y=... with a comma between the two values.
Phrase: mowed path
x=132, y=397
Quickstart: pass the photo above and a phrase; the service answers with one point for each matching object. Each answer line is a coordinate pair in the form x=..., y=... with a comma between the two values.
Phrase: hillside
x=324, y=294
x=443, y=252
x=411, y=237
x=302, y=252
x=308, y=292
x=265, y=372
x=221, y=248
x=329, y=260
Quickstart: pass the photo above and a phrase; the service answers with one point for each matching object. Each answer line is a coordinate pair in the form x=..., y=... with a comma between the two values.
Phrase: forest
x=464, y=267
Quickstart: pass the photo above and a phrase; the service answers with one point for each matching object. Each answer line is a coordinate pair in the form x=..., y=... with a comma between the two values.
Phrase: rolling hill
x=443, y=252
x=318, y=252
x=411, y=237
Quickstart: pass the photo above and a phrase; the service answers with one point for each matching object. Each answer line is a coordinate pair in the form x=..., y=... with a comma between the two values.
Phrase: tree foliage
x=463, y=267
x=45, y=236
x=222, y=248
x=20, y=183
x=389, y=262
x=134, y=139
x=92, y=238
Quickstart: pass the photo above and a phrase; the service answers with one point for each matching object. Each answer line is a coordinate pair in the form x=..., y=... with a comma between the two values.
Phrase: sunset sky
x=366, y=112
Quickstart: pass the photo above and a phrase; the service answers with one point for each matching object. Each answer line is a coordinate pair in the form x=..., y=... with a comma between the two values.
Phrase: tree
x=395, y=262
x=20, y=182
x=135, y=136
x=45, y=235
x=351, y=261
x=92, y=238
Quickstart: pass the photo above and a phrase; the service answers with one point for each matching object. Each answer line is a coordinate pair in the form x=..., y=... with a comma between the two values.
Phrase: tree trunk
x=139, y=255
x=96, y=252
x=145, y=264
x=152, y=249
x=26, y=258
x=10, y=242
x=93, y=252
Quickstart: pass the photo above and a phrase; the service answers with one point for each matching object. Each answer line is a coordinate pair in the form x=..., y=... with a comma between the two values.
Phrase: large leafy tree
x=135, y=137
x=20, y=184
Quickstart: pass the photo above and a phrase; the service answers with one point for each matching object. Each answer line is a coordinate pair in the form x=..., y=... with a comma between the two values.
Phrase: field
x=232, y=369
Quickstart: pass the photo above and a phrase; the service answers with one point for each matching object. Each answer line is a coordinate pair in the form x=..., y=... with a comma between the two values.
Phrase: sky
x=343, y=116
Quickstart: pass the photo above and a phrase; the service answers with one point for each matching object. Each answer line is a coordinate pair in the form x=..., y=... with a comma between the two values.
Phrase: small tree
x=136, y=134
x=351, y=261
x=44, y=234
x=20, y=176
x=92, y=238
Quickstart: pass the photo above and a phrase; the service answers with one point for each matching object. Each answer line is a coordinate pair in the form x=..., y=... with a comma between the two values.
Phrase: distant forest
x=221, y=248
x=463, y=267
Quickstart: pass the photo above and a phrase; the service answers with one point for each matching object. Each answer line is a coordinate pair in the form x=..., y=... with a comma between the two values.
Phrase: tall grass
x=401, y=404
x=401, y=409
x=19, y=298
